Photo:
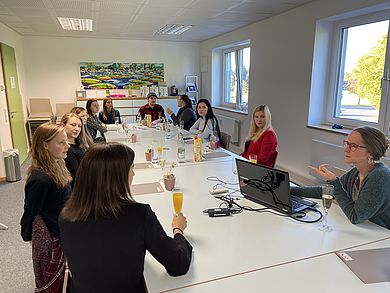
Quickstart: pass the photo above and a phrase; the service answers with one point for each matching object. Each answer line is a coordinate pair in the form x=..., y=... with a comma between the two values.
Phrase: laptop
x=269, y=187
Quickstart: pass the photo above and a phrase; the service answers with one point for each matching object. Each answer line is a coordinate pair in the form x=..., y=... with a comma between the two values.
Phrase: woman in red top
x=261, y=140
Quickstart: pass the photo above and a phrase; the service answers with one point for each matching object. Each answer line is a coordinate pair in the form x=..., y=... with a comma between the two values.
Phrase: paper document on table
x=138, y=166
x=369, y=265
x=215, y=155
x=117, y=139
x=112, y=127
x=146, y=188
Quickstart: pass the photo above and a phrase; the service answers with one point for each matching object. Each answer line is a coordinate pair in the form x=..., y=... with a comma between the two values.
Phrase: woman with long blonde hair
x=77, y=141
x=46, y=190
x=83, y=115
x=261, y=140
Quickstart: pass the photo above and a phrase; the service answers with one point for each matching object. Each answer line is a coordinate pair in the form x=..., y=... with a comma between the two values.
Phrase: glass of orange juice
x=177, y=201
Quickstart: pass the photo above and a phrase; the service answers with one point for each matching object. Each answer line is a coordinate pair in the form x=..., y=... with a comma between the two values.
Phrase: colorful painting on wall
x=103, y=75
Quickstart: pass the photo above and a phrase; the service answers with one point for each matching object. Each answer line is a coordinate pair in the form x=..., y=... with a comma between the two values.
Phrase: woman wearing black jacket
x=105, y=233
x=185, y=115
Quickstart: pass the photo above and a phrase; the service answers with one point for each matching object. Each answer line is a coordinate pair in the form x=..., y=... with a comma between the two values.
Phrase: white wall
x=280, y=76
x=52, y=64
x=13, y=39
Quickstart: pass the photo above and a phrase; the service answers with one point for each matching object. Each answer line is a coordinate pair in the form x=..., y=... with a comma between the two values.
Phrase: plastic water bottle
x=168, y=132
x=181, y=148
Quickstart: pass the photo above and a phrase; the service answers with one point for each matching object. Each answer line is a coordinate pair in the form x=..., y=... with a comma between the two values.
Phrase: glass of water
x=327, y=198
x=117, y=123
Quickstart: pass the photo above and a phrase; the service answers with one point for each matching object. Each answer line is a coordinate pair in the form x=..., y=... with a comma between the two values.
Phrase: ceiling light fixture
x=75, y=24
x=173, y=29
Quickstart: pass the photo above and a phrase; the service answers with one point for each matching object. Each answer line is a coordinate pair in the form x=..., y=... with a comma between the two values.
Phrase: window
x=236, y=77
x=359, y=78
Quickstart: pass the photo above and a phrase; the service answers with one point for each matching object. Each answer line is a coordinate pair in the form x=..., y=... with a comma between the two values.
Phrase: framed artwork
x=104, y=75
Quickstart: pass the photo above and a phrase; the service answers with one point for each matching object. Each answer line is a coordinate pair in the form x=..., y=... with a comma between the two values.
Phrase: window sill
x=231, y=110
x=328, y=128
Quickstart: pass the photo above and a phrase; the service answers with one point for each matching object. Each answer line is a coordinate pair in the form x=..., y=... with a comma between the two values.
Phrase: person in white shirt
x=207, y=123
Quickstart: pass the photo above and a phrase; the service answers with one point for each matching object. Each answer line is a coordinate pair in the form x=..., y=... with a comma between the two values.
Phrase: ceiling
x=139, y=19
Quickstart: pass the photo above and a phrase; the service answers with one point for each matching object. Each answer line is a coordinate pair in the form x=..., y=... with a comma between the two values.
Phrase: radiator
x=231, y=126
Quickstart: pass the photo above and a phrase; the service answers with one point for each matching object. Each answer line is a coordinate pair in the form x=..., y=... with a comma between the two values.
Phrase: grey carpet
x=16, y=271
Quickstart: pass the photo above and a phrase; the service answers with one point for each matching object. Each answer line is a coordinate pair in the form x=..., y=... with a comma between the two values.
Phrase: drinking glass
x=253, y=158
x=155, y=156
x=161, y=159
x=327, y=198
x=177, y=201
x=117, y=123
x=181, y=124
x=234, y=166
x=139, y=120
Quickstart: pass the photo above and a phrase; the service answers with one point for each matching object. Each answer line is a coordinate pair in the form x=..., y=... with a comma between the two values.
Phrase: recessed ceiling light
x=173, y=29
x=75, y=24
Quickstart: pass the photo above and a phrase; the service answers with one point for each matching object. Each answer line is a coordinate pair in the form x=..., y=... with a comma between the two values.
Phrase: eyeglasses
x=352, y=146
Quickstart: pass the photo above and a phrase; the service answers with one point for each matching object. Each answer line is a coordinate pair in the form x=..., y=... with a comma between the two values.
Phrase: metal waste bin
x=12, y=165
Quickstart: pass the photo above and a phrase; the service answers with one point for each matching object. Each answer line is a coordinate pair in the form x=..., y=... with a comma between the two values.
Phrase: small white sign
x=12, y=80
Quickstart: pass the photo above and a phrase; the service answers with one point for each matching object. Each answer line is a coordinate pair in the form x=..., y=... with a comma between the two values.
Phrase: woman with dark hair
x=95, y=128
x=105, y=233
x=83, y=115
x=77, y=141
x=108, y=115
x=363, y=192
x=185, y=115
x=46, y=190
x=207, y=123
x=261, y=140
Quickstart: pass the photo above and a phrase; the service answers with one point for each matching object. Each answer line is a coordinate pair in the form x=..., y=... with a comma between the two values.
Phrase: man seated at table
x=152, y=108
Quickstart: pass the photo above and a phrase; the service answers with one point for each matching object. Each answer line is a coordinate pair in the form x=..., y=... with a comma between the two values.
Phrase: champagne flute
x=177, y=201
x=327, y=198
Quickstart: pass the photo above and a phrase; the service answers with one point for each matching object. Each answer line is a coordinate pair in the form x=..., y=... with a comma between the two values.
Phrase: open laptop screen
x=264, y=185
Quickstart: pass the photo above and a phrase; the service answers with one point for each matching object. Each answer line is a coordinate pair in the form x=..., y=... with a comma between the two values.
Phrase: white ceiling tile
x=214, y=4
x=9, y=18
x=73, y=4
x=254, y=7
x=139, y=19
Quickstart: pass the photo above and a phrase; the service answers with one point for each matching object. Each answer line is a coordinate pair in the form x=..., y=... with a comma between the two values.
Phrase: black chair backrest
x=225, y=140
x=274, y=157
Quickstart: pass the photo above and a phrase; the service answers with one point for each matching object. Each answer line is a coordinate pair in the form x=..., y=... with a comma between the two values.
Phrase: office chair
x=274, y=157
x=225, y=140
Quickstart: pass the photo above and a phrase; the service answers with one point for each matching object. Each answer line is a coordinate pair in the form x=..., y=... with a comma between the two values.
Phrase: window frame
x=237, y=104
x=337, y=55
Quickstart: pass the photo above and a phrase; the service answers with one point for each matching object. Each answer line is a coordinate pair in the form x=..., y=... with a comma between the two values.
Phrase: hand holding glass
x=178, y=201
x=327, y=198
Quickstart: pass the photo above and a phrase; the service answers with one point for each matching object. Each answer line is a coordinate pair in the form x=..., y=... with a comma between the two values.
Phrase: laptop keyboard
x=296, y=205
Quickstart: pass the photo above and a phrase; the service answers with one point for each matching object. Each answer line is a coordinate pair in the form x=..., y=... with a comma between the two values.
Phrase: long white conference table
x=249, y=251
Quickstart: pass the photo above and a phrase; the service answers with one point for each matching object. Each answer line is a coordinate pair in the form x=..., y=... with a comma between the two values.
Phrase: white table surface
x=322, y=274
x=243, y=242
x=227, y=246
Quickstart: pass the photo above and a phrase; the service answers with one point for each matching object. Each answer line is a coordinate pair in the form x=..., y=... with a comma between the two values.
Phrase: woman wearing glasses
x=363, y=193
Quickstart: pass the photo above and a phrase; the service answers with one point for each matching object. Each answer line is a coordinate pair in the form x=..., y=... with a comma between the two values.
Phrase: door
x=14, y=100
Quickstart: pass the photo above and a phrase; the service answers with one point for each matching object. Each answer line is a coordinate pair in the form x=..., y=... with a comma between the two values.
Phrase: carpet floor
x=16, y=271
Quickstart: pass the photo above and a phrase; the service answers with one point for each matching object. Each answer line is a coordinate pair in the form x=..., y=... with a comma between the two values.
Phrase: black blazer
x=107, y=255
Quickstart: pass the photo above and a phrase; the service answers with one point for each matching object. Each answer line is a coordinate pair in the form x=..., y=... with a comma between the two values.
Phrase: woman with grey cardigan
x=363, y=192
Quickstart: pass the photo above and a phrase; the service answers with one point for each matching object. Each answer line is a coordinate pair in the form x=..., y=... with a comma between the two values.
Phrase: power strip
x=218, y=191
